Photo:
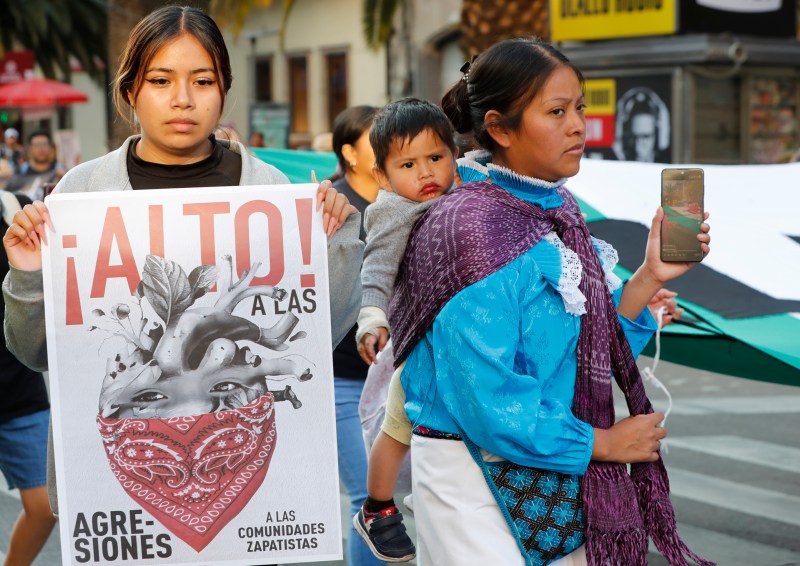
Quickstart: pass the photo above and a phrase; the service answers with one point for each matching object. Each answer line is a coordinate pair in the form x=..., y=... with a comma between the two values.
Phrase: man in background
x=41, y=171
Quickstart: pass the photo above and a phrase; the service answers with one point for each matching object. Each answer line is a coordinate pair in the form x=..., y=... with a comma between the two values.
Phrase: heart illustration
x=193, y=474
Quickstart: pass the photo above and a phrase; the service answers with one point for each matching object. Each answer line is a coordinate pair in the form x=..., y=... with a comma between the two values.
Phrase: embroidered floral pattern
x=545, y=508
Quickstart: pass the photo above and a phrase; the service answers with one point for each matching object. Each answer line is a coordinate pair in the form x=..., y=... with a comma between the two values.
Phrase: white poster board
x=189, y=349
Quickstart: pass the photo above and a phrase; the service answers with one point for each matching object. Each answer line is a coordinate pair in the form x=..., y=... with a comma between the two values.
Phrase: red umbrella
x=40, y=92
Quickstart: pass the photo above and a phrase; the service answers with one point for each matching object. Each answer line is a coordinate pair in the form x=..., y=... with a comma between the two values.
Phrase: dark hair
x=505, y=78
x=40, y=132
x=348, y=126
x=404, y=120
x=153, y=32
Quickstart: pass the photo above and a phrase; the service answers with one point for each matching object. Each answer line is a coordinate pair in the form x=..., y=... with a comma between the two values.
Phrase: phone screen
x=682, y=200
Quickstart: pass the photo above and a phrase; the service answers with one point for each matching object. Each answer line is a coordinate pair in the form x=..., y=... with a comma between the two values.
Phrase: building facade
x=292, y=92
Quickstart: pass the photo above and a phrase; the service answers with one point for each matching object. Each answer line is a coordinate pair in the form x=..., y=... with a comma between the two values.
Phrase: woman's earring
x=352, y=164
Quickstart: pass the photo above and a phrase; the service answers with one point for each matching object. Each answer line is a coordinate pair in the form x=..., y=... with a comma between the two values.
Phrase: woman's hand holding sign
x=23, y=239
x=335, y=206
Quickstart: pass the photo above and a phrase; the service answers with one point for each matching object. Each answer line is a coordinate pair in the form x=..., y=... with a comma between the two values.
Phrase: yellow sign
x=607, y=19
x=600, y=96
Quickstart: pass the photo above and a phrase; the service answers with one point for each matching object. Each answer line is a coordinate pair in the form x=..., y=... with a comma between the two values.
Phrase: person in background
x=357, y=183
x=40, y=171
x=174, y=75
x=11, y=149
x=24, y=414
x=256, y=139
x=6, y=170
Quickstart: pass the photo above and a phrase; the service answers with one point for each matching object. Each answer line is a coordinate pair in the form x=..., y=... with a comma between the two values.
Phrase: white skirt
x=457, y=518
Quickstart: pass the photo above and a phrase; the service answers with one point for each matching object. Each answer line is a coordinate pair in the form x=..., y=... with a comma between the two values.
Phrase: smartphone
x=682, y=201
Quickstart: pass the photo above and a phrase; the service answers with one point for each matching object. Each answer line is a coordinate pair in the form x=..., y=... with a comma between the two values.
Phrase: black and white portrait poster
x=189, y=348
x=629, y=118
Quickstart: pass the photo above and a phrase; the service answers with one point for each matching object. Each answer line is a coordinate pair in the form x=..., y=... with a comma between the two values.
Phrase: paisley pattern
x=194, y=474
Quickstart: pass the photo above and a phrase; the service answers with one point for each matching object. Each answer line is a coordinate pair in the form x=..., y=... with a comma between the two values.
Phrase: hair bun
x=455, y=104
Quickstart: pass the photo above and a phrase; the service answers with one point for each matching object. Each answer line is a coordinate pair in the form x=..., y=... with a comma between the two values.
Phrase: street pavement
x=733, y=456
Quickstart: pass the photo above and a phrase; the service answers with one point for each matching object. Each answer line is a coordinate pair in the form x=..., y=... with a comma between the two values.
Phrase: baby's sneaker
x=385, y=534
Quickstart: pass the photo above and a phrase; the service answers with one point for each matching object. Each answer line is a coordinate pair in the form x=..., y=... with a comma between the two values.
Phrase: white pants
x=458, y=521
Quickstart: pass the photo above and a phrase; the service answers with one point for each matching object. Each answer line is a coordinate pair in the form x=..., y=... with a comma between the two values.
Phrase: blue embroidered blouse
x=500, y=360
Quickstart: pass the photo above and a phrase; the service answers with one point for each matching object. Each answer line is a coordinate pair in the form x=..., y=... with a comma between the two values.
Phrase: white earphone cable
x=649, y=372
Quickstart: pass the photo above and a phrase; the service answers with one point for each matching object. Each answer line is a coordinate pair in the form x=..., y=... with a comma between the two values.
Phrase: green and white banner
x=743, y=301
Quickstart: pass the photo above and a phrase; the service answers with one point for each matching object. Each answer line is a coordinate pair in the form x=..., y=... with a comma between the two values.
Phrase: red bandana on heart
x=194, y=474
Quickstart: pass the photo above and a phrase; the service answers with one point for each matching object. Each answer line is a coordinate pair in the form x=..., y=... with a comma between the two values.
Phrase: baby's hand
x=366, y=346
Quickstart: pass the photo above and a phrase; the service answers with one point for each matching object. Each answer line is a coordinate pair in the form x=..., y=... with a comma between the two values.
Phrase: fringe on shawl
x=652, y=487
x=614, y=531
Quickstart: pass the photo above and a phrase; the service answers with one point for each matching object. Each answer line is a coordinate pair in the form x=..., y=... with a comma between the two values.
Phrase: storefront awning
x=682, y=50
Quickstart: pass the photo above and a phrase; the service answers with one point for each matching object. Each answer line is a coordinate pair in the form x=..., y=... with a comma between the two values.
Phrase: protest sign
x=189, y=348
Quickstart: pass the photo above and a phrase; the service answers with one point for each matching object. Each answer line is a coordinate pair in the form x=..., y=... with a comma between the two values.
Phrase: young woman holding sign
x=172, y=82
